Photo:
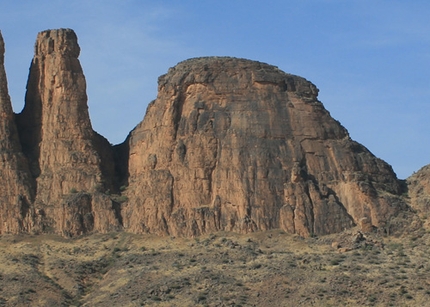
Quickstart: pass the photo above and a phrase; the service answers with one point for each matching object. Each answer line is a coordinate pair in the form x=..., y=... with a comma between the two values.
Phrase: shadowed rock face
x=232, y=144
x=229, y=144
x=16, y=187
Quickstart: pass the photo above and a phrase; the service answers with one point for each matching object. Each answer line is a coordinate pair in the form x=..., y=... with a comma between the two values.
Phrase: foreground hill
x=225, y=269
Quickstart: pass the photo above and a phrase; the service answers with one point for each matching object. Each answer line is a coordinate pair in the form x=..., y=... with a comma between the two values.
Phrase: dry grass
x=222, y=269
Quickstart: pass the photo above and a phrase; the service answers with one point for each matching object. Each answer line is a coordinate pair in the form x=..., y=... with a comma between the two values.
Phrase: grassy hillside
x=222, y=269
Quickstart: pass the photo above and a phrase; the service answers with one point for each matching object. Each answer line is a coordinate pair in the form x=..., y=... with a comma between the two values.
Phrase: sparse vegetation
x=119, y=198
x=262, y=269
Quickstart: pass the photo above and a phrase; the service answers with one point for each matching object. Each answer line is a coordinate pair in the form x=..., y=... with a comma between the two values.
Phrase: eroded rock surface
x=236, y=145
x=419, y=192
x=65, y=155
x=229, y=144
x=16, y=187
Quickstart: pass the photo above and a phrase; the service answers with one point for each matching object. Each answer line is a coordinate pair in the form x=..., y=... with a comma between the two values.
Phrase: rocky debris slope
x=349, y=241
x=229, y=144
x=237, y=145
x=16, y=188
x=225, y=269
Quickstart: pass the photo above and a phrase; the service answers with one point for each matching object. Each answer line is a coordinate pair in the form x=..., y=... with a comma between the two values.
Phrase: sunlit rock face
x=237, y=145
x=229, y=144
x=65, y=155
x=419, y=193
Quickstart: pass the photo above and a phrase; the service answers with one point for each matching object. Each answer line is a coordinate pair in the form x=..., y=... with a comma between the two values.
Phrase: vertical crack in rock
x=17, y=187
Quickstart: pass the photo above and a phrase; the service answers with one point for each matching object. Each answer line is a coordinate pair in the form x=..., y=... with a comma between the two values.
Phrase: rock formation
x=419, y=192
x=236, y=145
x=16, y=188
x=229, y=144
x=65, y=155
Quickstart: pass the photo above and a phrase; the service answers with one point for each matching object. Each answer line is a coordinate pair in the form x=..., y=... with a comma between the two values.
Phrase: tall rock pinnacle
x=55, y=122
x=237, y=145
x=16, y=195
x=66, y=156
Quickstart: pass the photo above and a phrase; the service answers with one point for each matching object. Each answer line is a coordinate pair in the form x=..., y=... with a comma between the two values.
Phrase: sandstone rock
x=63, y=151
x=229, y=144
x=236, y=145
x=355, y=239
x=365, y=225
x=16, y=186
x=419, y=192
x=82, y=213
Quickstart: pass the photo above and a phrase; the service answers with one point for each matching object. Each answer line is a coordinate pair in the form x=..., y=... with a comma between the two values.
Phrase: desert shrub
x=256, y=266
x=335, y=261
x=119, y=198
x=201, y=298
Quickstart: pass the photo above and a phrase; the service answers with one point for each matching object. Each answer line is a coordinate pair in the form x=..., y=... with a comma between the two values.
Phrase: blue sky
x=369, y=58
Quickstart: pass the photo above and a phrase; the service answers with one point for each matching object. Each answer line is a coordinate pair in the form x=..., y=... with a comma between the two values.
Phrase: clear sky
x=369, y=58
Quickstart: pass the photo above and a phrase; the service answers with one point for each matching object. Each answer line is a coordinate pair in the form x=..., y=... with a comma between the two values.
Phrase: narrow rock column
x=66, y=156
x=55, y=127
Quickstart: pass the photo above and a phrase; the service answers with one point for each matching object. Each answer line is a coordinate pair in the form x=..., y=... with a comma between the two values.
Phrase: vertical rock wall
x=237, y=145
x=419, y=193
x=16, y=187
x=68, y=160
x=229, y=144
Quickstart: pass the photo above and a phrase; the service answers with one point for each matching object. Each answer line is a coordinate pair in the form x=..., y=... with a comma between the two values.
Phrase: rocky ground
x=223, y=269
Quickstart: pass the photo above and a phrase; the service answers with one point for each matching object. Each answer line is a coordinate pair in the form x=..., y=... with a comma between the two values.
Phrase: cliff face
x=65, y=155
x=16, y=188
x=237, y=145
x=419, y=193
x=229, y=144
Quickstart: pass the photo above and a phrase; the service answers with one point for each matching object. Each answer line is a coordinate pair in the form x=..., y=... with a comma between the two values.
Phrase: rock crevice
x=17, y=185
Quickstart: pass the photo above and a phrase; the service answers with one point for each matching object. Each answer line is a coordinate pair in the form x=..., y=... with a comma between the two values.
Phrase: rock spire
x=68, y=160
